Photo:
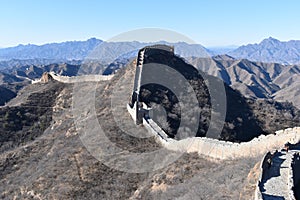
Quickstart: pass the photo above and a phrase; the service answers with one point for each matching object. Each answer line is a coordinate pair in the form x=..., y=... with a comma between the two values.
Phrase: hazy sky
x=208, y=22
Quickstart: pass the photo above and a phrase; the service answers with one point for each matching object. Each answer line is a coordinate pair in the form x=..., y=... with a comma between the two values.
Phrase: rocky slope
x=54, y=163
x=10, y=85
x=254, y=79
x=6, y=95
x=27, y=119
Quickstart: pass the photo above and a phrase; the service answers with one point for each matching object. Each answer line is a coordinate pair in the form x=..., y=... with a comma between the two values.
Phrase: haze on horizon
x=210, y=23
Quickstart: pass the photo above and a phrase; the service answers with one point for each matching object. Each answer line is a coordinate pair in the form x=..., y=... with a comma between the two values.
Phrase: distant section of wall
x=77, y=79
x=35, y=81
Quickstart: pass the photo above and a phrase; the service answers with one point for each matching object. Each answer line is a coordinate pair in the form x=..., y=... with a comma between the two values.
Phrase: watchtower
x=140, y=109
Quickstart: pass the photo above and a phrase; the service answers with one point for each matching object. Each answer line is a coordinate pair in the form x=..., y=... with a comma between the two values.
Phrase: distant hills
x=264, y=70
x=252, y=79
x=91, y=49
x=72, y=50
x=255, y=79
x=222, y=50
x=270, y=50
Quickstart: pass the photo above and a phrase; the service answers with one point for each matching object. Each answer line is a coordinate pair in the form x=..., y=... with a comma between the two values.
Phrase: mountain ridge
x=252, y=79
x=80, y=50
x=65, y=50
x=255, y=79
x=270, y=50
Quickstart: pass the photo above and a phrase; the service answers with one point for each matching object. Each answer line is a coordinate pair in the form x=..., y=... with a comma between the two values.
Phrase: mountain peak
x=270, y=40
x=93, y=39
x=273, y=39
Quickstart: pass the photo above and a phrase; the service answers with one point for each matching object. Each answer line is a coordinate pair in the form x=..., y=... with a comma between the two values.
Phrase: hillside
x=16, y=63
x=28, y=119
x=52, y=162
x=254, y=79
x=10, y=85
x=6, y=95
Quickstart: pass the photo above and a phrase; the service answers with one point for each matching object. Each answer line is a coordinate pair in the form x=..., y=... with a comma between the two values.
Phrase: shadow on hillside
x=22, y=124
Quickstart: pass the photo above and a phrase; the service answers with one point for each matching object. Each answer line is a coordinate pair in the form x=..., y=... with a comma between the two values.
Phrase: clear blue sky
x=208, y=22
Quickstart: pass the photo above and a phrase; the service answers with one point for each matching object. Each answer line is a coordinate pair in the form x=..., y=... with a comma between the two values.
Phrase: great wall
x=213, y=148
x=222, y=150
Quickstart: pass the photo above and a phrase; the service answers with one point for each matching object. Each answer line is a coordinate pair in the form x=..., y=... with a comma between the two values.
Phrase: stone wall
x=75, y=79
x=150, y=125
x=221, y=149
x=228, y=150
